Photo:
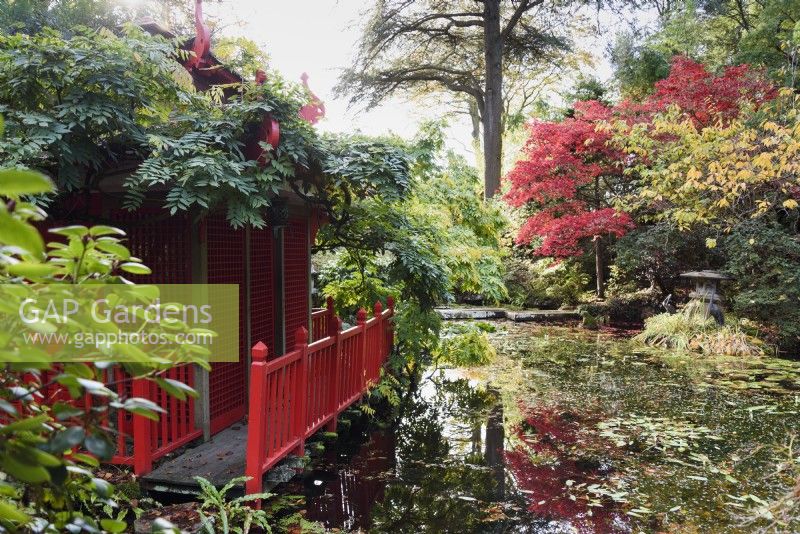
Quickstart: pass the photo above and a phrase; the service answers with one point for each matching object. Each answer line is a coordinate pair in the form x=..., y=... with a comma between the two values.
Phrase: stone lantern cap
x=706, y=275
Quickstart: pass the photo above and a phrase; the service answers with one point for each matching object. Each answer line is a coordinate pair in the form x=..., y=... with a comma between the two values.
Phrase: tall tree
x=462, y=48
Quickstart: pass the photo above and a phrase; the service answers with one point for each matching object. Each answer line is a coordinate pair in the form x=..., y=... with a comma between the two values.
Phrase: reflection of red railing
x=293, y=396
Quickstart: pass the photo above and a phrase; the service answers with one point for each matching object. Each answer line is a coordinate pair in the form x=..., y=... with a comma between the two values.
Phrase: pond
x=574, y=431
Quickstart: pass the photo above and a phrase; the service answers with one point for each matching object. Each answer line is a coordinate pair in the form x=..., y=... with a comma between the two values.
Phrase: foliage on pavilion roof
x=98, y=103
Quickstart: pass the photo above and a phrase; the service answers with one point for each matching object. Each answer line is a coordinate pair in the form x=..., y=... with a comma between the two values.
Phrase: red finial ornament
x=315, y=109
x=259, y=352
x=202, y=39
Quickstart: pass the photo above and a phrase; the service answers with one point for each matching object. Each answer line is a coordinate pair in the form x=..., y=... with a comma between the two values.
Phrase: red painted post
x=256, y=424
x=142, y=445
x=379, y=335
x=361, y=321
x=334, y=326
x=301, y=417
x=330, y=322
x=390, y=336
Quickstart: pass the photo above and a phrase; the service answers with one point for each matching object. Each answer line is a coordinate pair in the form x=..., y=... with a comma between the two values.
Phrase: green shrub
x=467, y=349
x=654, y=256
x=764, y=260
x=544, y=283
x=628, y=308
x=48, y=479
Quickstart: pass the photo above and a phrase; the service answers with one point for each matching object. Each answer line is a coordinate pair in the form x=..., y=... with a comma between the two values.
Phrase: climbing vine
x=85, y=107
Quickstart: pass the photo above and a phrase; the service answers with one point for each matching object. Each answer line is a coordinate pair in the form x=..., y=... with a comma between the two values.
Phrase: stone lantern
x=706, y=292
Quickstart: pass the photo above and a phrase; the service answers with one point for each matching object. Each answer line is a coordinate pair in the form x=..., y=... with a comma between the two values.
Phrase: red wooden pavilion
x=292, y=383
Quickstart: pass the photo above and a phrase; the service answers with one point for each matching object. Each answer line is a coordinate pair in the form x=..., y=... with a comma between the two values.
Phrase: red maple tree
x=571, y=171
x=707, y=98
x=565, y=178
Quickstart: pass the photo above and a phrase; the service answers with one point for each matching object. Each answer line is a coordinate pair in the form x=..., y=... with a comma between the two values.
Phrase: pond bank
x=520, y=316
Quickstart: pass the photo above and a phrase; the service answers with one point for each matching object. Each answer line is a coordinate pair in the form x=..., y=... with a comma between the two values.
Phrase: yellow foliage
x=718, y=174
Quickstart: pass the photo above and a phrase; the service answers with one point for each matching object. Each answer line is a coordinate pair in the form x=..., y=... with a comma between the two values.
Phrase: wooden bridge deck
x=218, y=460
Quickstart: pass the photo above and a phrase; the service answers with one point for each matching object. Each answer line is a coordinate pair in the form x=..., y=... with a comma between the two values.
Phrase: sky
x=319, y=37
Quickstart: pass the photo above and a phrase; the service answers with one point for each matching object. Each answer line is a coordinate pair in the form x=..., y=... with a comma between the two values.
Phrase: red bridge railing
x=139, y=440
x=320, y=320
x=293, y=396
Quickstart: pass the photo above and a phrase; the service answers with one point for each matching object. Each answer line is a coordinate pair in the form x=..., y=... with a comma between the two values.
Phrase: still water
x=570, y=431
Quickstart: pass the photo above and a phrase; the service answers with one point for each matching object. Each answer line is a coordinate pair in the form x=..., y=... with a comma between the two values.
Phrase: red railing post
x=301, y=417
x=142, y=440
x=377, y=358
x=256, y=424
x=390, y=334
x=331, y=314
x=361, y=321
x=334, y=327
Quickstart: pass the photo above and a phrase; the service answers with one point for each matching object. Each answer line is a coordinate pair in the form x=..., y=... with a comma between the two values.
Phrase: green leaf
x=65, y=411
x=93, y=387
x=79, y=370
x=22, y=470
x=100, y=446
x=103, y=488
x=135, y=268
x=16, y=182
x=75, y=230
x=177, y=389
x=144, y=407
x=114, y=248
x=113, y=526
x=86, y=459
x=29, y=424
x=67, y=439
x=9, y=512
x=19, y=234
x=100, y=230
x=31, y=270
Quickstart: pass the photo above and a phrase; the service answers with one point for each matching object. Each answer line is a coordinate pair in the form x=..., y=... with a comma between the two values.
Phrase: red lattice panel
x=227, y=380
x=262, y=288
x=295, y=246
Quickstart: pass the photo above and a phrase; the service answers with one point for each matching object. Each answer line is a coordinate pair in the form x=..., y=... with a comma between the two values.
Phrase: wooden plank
x=219, y=459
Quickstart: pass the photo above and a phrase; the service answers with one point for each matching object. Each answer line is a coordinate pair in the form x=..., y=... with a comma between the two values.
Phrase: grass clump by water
x=693, y=331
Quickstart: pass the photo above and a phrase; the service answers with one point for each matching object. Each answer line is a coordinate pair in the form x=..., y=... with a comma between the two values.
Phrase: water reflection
x=439, y=469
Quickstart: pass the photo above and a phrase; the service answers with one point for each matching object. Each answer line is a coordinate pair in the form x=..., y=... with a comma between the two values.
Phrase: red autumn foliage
x=563, y=160
x=707, y=98
x=554, y=434
x=562, y=231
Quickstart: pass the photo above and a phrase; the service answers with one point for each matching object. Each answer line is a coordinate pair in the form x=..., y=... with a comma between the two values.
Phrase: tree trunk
x=475, y=117
x=598, y=267
x=492, y=132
